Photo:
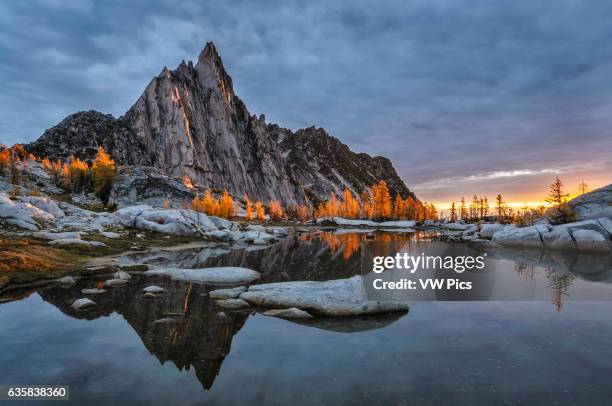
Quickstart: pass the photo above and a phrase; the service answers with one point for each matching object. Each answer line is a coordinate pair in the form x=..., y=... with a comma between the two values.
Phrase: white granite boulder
x=23, y=214
x=341, y=297
x=487, y=230
x=594, y=204
x=590, y=240
x=170, y=221
x=519, y=236
x=218, y=275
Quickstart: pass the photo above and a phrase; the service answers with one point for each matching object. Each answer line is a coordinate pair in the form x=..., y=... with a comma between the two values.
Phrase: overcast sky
x=464, y=97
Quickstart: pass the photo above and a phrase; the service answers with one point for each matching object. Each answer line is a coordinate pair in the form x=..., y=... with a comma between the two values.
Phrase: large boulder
x=24, y=214
x=590, y=240
x=340, y=297
x=520, y=236
x=583, y=235
x=559, y=238
x=45, y=204
x=169, y=221
x=487, y=230
x=594, y=204
x=148, y=185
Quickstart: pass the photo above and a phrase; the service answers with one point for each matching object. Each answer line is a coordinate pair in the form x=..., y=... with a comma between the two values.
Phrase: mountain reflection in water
x=185, y=326
x=188, y=329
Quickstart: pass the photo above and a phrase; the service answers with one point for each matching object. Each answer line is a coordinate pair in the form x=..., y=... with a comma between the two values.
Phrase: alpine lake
x=538, y=331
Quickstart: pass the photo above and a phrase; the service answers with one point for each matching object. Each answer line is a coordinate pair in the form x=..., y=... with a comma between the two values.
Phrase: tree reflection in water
x=558, y=284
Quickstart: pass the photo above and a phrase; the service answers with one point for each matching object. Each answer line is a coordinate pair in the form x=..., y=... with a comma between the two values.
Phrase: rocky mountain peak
x=212, y=74
x=189, y=122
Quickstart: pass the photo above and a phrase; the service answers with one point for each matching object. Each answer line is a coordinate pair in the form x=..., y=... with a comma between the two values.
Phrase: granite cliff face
x=189, y=122
x=594, y=204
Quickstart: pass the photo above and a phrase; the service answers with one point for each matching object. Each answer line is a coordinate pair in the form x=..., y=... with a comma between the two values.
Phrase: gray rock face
x=189, y=122
x=148, y=185
x=81, y=133
x=594, y=204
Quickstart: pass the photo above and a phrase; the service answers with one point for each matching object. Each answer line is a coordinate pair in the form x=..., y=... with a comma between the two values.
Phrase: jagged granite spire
x=188, y=121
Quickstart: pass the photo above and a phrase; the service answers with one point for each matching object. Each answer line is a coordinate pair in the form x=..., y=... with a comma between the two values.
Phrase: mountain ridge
x=189, y=122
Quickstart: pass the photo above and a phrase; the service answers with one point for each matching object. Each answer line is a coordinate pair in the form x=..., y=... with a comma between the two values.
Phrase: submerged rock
x=66, y=280
x=291, y=313
x=227, y=293
x=122, y=275
x=164, y=320
x=232, y=303
x=220, y=275
x=280, y=231
x=134, y=268
x=94, y=291
x=340, y=297
x=156, y=290
x=83, y=304
x=113, y=283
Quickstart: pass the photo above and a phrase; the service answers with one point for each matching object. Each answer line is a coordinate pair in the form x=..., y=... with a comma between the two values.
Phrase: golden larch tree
x=382, y=200
x=226, y=207
x=104, y=172
x=248, y=208
x=276, y=210
x=260, y=211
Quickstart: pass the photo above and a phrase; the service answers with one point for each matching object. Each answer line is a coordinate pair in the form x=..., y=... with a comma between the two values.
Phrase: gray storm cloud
x=447, y=90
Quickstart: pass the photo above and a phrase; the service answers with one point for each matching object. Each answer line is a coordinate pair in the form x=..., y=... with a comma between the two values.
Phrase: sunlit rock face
x=189, y=122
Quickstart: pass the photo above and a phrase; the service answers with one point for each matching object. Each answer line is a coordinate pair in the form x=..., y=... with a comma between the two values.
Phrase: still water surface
x=182, y=349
